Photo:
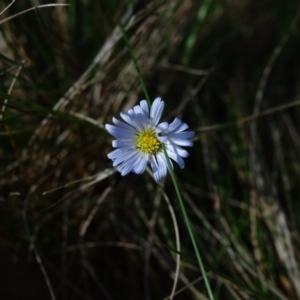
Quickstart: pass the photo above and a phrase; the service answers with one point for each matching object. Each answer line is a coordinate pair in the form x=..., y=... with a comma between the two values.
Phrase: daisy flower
x=139, y=141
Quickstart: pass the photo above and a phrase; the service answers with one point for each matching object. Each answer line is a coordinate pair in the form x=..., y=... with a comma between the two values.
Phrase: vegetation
x=74, y=228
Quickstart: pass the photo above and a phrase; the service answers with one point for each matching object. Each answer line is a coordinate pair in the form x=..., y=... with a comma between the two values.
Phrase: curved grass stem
x=188, y=225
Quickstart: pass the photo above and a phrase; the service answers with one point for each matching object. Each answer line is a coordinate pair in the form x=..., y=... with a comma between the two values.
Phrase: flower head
x=139, y=141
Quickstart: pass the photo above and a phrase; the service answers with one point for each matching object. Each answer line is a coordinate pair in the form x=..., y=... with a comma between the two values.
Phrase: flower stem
x=135, y=64
x=188, y=224
x=186, y=218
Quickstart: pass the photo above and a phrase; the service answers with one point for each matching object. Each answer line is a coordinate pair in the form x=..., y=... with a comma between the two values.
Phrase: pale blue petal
x=162, y=127
x=182, y=135
x=175, y=125
x=140, y=164
x=181, y=152
x=163, y=157
x=123, y=125
x=154, y=167
x=162, y=164
x=145, y=107
x=181, y=142
x=124, y=169
x=114, y=154
x=131, y=119
x=163, y=139
x=141, y=117
x=119, y=132
x=176, y=158
x=156, y=111
x=182, y=127
x=126, y=156
x=127, y=165
x=122, y=143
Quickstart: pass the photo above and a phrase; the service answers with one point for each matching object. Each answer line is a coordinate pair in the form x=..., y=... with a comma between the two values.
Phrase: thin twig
x=10, y=90
x=251, y=117
x=36, y=253
x=30, y=9
x=93, y=212
x=185, y=287
x=177, y=238
x=7, y=7
x=186, y=69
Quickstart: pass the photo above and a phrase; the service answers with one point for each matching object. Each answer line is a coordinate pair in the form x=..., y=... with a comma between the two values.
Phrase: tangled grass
x=73, y=228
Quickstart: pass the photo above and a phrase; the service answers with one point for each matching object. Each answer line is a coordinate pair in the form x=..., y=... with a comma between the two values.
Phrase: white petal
x=115, y=130
x=123, y=125
x=140, y=164
x=129, y=155
x=181, y=152
x=156, y=111
x=114, y=154
x=127, y=166
x=174, y=125
x=182, y=142
x=154, y=167
x=176, y=158
x=124, y=169
x=124, y=143
x=141, y=117
x=131, y=119
x=163, y=139
x=162, y=127
x=162, y=154
x=182, y=127
x=145, y=107
x=120, y=133
x=182, y=135
x=162, y=164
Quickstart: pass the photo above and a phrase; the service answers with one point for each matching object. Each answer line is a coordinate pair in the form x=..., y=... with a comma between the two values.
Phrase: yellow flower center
x=147, y=142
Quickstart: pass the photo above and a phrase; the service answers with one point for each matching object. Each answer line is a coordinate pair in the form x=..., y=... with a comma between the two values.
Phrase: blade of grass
x=251, y=117
x=188, y=224
x=30, y=9
x=135, y=64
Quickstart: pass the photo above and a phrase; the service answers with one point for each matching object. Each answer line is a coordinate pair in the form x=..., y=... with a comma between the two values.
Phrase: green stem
x=188, y=224
x=135, y=65
x=186, y=218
